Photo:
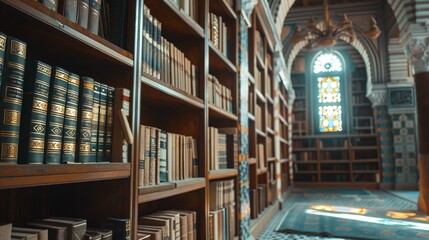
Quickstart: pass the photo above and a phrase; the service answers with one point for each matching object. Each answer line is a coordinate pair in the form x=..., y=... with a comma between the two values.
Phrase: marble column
x=383, y=127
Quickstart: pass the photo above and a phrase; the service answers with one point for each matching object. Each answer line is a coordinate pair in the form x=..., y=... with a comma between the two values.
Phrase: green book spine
x=102, y=123
x=2, y=54
x=109, y=125
x=35, y=104
x=11, y=96
x=51, y=4
x=83, y=13
x=68, y=153
x=57, y=106
x=85, y=118
x=95, y=121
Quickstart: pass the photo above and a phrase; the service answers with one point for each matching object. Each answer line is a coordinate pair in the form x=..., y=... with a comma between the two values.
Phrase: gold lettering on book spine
x=57, y=108
x=54, y=145
x=11, y=117
x=85, y=147
x=69, y=146
x=9, y=151
x=42, y=105
x=61, y=75
x=71, y=112
x=18, y=48
x=88, y=85
x=74, y=81
x=44, y=69
x=2, y=43
x=37, y=144
x=87, y=115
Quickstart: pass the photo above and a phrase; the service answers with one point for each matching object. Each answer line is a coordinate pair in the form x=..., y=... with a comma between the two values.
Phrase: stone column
x=417, y=50
x=383, y=127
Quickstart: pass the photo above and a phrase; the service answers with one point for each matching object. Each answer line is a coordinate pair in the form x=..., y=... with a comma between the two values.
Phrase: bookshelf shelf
x=365, y=161
x=364, y=148
x=251, y=78
x=333, y=161
x=16, y=176
x=283, y=121
x=183, y=186
x=33, y=22
x=270, y=131
x=305, y=172
x=261, y=97
x=251, y=116
x=252, y=161
x=282, y=140
x=223, y=173
x=224, y=9
x=262, y=171
x=217, y=113
x=260, y=133
x=271, y=159
x=162, y=93
x=305, y=162
x=284, y=160
x=260, y=62
x=269, y=99
x=219, y=62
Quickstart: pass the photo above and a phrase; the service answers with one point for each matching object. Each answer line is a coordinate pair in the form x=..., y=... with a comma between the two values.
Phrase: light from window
x=327, y=62
x=329, y=89
x=330, y=118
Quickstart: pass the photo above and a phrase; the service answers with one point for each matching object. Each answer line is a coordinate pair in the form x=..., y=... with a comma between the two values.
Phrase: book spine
x=2, y=55
x=11, y=95
x=51, y=4
x=147, y=155
x=70, y=10
x=35, y=103
x=109, y=125
x=94, y=16
x=57, y=102
x=152, y=167
x=102, y=124
x=163, y=157
x=85, y=117
x=141, y=156
x=68, y=152
x=83, y=13
x=145, y=38
x=95, y=121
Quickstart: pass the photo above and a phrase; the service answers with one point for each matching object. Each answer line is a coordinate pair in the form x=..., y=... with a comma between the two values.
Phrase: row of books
x=218, y=33
x=169, y=225
x=258, y=200
x=166, y=157
x=162, y=60
x=222, y=210
x=50, y=115
x=219, y=148
x=63, y=228
x=259, y=115
x=190, y=7
x=219, y=95
x=86, y=13
x=230, y=2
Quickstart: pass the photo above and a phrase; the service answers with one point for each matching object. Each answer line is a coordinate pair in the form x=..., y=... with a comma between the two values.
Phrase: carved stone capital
x=418, y=53
x=247, y=6
x=378, y=95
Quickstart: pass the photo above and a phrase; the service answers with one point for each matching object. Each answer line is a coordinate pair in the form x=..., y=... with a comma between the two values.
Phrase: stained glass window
x=327, y=69
x=330, y=119
x=327, y=62
x=329, y=89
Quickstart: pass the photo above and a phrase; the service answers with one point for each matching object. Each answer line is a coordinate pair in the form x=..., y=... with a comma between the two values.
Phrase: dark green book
x=85, y=118
x=120, y=227
x=109, y=125
x=68, y=153
x=2, y=54
x=56, y=113
x=35, y=104
x=102, y=123
x=11, y=95
x=95, y=120
x=83, y=13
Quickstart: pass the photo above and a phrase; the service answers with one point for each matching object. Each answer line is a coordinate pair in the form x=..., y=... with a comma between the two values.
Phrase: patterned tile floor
x=374, y=199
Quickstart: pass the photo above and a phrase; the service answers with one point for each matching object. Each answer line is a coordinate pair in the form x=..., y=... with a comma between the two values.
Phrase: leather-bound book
x=71, y=10
x=101, y=138
x=3, y=38
x=83, y=9
x=54, y=232
x=68, y=153
x=85, y=118
x=56, y=113
x=42, y=234
x=109, y=125
x=35, y=104
x=94, y=122
x=5, y=231
x=11, y=95
x=94, y=15
x=75, y=227
x=51, y=4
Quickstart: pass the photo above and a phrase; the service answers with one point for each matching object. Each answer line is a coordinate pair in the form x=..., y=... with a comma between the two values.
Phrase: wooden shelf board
x=261, y=171
x=304, y=172
x=333, y=171
x=270, y=131
x=363, y=135
x=271, y=159
x=222, y=173
x=219, y=61
x=183, y=186
x=333, y=161
x=284, y=141
x=334, y=149
x=252, y=161
x=305, y=162
x=259, y=61
x=13, y=176
x=69, y=36
x=162, y=92
x=365, y=185
x=218, y=113
x=251, y=78
x=269, y=99
x=223, y=8
x=284, y=160
x=304, y=149
x=167, y=11
x=365, y=161
x=364, y=147
x=366, y=171
x=259, y=95
x=251, y=116
x=260, y=133
x=283, y=120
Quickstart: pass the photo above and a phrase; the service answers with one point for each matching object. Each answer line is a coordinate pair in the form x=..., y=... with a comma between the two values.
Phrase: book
x=118, y=22
x=147, y=156
x=95, y=121
x=54, y=232
x=153, y=154
x=68, y=153
x=70, y=10
x=154, y=232
x=42, y=234
x=85, y=116
x=106, y=234
x=37, y=80
x=163, y=157
x=101, y=136
x=119, y=144
x=163, y=223
x=120, y=228
x=141, y=162
x=83, y=13
x=56, y=113
x=92, y=236
x=109, y=125
x=24, y=236
x=51, y=4
x=3, y=38
x=94, y=15
x=11, y=95
x=5, y=231
x=76, y=227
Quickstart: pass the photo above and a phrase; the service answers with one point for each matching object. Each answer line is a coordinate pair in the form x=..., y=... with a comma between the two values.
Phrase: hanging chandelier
x=326, y=33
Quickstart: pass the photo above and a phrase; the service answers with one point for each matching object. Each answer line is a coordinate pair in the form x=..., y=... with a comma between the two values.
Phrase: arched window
x=328, y=72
